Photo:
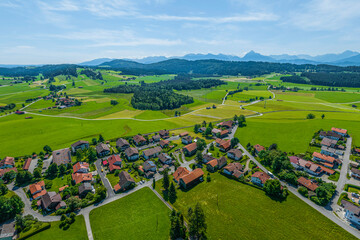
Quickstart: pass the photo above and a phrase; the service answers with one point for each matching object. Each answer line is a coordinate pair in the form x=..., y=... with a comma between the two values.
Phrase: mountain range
x=346, y=58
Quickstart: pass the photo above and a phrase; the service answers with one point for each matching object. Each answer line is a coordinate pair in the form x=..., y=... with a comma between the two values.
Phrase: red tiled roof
x=191, y=147
x=117, y=187
x=192, y=176
x=324, y=157
x=226, y=144
x=81, y=177
x=63, y=188
x=39, y=194
x=259, y=148
x=164, y=142
x=262, y=176
x=340, y=130
x=35, y=187
x=307, y=183
x=212, y=163
x=180, y=172
x=27, y=164
x=80, y=165
x=329, y=171
x=224, y=132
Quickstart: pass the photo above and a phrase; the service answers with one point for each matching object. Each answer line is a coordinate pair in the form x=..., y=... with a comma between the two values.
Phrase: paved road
x=327, y=212
x=33, y=165
x=343, y=174
x=88, y=225
x=105, y=181
x=172, y=138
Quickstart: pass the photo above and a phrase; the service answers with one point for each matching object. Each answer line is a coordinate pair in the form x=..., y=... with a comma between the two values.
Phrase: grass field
x=77, y=231
x=141, y=215
x=237, y=211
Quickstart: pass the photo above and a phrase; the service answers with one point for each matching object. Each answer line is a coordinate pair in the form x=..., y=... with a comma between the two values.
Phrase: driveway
x=33, y=165
x=46, y=164
x=109, y=189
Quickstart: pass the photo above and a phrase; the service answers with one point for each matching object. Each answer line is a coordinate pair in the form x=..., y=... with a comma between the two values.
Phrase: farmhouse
x=225, y=146
x=79, y=145
x=131, y=154
x=179, y=173
x=52, y=201
x=324, y=158
x=164, y=134
x=102, y=149
x=27, y=164
x=164, y=143
x=235, y=154
x=307, y=183
x=81, y=177
x=81, y=167
x=192, y=178
x=329, y=151
x=224, y=133
x=7, y=162
x=187, y=139
x=352, y=212
x=62, y=156
x=258, y=148
x=227, y=124
x=259, y=178
x=183, y=134
x=164, y=158
x=342, y=132
x=139, y=140
x=37, y=190
x=122, y=144
x=155, y=138
x=355, y=173
x=190, y=149
x=328, y=142
x=234, y=169
x=219, y=141
x=125, y=182
x=114, y=162
x=152, y=152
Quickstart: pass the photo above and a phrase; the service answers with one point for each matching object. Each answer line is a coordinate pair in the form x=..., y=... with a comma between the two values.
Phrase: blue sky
x=72, y=31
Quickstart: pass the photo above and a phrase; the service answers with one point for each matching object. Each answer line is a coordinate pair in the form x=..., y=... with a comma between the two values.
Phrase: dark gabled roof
x=188, y=138
x=236, y=152
x=350, y=207
x=139, y=138
x=356, y=171
x=125, y=177
x=122, y=142
x=222, y=161
x=164, y=132
x=164, y=157
x=102, y=147
x=131, y=151
x=208, y=157
x=191, y=147
x=50, y=197
x=61, y=156
x=86, y=186
x=78, y=143
x=152, y=151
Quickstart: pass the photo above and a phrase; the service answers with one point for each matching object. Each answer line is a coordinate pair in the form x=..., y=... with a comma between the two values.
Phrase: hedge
x=29, y=233
x=346, y=188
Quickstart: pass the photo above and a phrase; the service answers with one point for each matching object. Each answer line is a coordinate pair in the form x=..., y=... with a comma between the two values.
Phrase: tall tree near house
x=234, y=141
x=154, y=183
x=166, y=181
x=208, y=131
x=52, y=170
x=101, y=138
x=197, y=223
x=210, y=125
x=241, y=121
x=47, y=148
x=204, y=123
x=172, y=193
x=199, y=157
x=235, y=118
x=177, y=229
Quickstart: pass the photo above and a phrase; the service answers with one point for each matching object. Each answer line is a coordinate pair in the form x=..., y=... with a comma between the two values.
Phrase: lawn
x=238, y=211
x=338, y=97
x=77, y=231
x=141, y=215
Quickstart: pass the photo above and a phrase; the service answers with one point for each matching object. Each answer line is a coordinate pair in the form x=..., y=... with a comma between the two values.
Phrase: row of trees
x=92, y=74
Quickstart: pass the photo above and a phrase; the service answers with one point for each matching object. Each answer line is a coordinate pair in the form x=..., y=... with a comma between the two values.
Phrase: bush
x=303, y=191
x=310, y=116
x=32, y=233
x=48, y=184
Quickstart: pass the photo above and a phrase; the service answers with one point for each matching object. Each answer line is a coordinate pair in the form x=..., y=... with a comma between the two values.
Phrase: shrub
x=303, y=191
x=310, y=116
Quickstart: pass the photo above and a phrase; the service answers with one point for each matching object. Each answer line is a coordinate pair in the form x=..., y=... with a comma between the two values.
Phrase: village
x=70, y=179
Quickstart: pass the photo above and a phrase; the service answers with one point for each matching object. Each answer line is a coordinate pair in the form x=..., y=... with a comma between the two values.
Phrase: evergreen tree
x=166, y=182
x=101, y=139
x=172, y=193
x=197, y=223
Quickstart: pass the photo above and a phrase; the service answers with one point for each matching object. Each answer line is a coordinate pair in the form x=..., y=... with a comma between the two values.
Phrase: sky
x=73, y=31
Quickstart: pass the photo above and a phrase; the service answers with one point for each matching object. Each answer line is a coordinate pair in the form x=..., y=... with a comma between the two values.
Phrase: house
x=52, y=201
x=227, y=124
x=5, y=170
x=310, y=185
x=307, y=166
x=132, y=154
x=139, y=140
x=164, y=158
x=7, y=230
x=155, y=138
x=258, y=148
x=330, y=134
x=190, y=149
x=7, y=162
x=352, y=211
x=329, y=151
x=27, y=164
x=61, y=189
x=224, y=133
x=81, y=177
x=102, y=149
x=192, y=178
x=79, y=145
x=328, y=142
x=62, y=156
x=164, y=143
x=225, y=146
x=324, y=158
x=115, y=163
x=355, y=173
x=122, y=144
x=85, y=188
x=183, y=134
x=215, y=131
x=234, y=169
x=37, y=189
x=259, y=178
x=207, y=157
x=125, y=182
x=187, y=139
x=164, y=134
x=202, y=129
x=149, y=166
x=211, y=166
x=152, y=152
x=235, y=154
x=342, y=132
x=81, y=167
x=219, y=141
x=179, y=173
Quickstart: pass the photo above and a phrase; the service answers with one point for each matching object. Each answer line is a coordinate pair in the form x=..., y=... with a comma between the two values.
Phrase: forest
x=46, y=70
x=326, y=79
x=92, y=74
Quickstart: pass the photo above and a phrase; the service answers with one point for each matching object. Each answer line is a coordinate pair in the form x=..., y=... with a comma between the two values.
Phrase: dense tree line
x=92, y=74
x=334, y=79
x=294, y=79
x=9, y=207
x=46, y=70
